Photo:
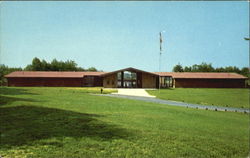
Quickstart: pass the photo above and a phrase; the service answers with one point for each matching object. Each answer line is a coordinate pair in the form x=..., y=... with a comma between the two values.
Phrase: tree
x=178, y=68
x=91, y=69
x=70, y=65
x=4, y=70
x=204, y=67
x=45, y=66
x=28, y=68
x=36, y=64
x=55, y=65
x=245, y=71
x=187, y=69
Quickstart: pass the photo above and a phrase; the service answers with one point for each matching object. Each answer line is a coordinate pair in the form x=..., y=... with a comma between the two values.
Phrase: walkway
x=133, y=92
x=175, y=103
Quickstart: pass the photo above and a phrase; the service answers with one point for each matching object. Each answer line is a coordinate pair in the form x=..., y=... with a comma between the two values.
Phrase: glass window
x=119, y=75
x=129, y=75
x=119, y=83
x=129, y=79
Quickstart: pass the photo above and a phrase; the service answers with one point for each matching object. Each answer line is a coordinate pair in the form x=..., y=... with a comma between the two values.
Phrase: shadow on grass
x=14, y=91
x=23, y=125
x=7, y=100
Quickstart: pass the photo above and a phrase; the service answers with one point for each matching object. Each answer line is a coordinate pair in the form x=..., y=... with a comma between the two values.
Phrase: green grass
x=207, y=96
x=63, y=122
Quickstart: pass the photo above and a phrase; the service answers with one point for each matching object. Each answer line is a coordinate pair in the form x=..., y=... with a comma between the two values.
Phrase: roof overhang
x=201, y=75
x=128, y=69
x=51, y=74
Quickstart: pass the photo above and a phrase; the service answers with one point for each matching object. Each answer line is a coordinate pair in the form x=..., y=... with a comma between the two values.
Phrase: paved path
x=133, y=92
x=175, y=103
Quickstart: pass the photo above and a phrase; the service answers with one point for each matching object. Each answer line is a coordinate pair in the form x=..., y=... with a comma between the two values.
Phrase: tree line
x=204, y=67
x=55, y=65
x=42, y=65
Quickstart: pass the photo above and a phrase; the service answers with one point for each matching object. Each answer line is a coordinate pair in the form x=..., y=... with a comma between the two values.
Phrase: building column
x=122, y=75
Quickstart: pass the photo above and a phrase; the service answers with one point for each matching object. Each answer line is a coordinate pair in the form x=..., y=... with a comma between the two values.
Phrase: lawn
x=68, y=122
x=226, y=97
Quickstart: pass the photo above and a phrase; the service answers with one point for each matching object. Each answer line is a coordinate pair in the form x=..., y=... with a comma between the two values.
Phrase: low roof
x=204, y=75
x=52, y=74
x=73, y=74
x=129, y=69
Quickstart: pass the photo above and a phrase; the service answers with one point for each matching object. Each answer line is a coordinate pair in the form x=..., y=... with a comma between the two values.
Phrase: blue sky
x=114, y=35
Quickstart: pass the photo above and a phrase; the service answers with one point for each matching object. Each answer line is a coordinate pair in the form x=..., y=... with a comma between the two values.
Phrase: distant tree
x=195, y=68
x=28, y=68
x=245, y=71
x=231, y=69
x=178, y=68
x=70, y=65
x=45, y=66
x=187, y=69
x=204, y=67
x=80, y=69
x=4, y=70
x=220, y=69
x=36, y=64
x=91, y=69
x=55, y=65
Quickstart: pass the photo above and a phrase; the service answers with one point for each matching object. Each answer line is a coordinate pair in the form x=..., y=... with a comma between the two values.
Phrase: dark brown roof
x=205, y=75
x=52, y=74
x=129, y=69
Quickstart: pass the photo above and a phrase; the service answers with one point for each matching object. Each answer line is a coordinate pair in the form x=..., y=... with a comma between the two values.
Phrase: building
x=126, y=78
x=54, y=79
x=202, y=80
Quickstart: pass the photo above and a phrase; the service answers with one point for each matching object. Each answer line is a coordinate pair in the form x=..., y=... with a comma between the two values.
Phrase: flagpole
x=160, y=61
x=160, y=70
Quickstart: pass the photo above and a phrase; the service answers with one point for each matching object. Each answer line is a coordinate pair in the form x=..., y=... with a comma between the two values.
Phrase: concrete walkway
x=176, y=103
x=133, y=92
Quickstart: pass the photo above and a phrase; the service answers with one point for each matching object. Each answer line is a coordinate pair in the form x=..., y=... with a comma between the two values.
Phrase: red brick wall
x=210, y=83
x=46, y=82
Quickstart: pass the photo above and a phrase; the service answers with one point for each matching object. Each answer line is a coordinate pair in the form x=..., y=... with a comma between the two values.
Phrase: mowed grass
x=94, y=90
x=63, y=122
x=227, y=97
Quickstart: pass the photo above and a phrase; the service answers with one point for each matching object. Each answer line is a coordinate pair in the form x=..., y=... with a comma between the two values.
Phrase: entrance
x=128, y=79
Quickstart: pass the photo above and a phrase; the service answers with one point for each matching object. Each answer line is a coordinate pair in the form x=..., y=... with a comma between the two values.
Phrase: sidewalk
x=133, y=92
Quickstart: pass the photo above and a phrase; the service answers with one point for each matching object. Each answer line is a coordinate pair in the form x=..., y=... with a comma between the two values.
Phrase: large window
x=129, y=79
x=166, y=82
x=129, y=75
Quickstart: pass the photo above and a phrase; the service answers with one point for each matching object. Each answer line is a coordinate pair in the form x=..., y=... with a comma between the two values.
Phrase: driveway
x=171, y=103
x=133, y=92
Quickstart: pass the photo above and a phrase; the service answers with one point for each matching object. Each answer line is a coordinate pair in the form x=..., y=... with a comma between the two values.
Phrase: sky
x=113, y=35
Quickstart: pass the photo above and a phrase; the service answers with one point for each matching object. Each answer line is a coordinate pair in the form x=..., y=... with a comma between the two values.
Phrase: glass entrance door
x=126, y=79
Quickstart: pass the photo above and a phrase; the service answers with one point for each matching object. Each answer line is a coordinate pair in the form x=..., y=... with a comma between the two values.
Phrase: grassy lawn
x=69, y=122
x=208, y=96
